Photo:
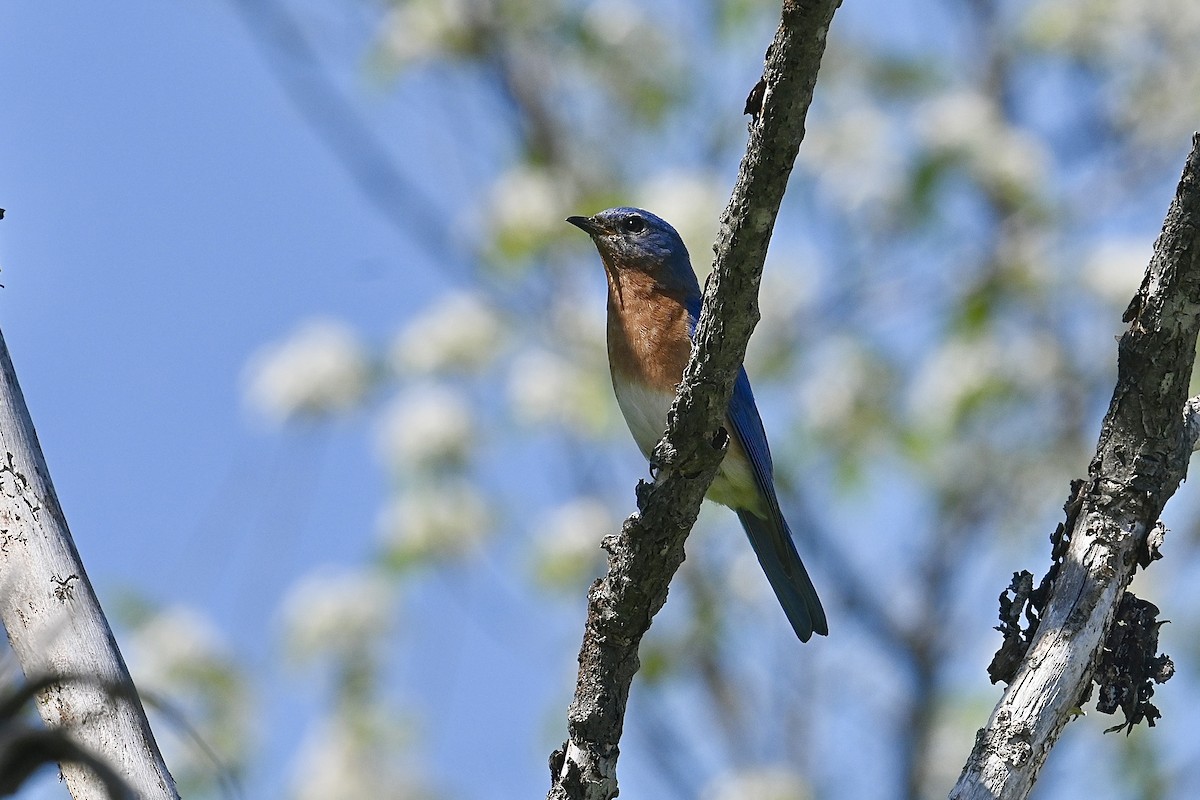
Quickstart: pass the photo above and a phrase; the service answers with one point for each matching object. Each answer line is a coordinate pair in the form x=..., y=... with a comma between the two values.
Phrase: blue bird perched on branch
x=653, y=306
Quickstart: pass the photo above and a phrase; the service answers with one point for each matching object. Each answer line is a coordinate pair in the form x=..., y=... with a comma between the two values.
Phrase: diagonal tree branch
x=1140, y=459
x=56, y=625
x=649, y=549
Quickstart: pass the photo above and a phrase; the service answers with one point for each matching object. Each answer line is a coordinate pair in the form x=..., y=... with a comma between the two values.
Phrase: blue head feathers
x=635, y=239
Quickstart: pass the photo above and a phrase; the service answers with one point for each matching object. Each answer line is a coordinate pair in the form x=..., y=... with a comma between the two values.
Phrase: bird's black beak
x=587, y=224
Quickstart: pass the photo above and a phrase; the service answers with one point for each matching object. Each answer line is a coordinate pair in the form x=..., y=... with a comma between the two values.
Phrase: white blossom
x=580, y=321
x=968, y=124
x=337, y=761
x=744, y=577
x=691, y=202
x=179, y=654
x=961, y=368
x=526, y=204
x=336, y=610
x=545, y=387
x=426, y=426
x=853, y=156
x=956, y=722
x=174, y=644
x=459, y=332
x=448, y=519
x=955, y=371
x=568, y=540
x=834, y=384
x=423, y=29
x=1144, y=52
x=957, y=120
x=1114, y=268
x=787, y=291
x=614, y=22
x=788, y=288
x=761, y=783
x=321, y=368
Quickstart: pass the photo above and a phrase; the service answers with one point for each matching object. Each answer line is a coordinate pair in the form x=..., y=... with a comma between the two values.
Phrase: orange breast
x=648, y=332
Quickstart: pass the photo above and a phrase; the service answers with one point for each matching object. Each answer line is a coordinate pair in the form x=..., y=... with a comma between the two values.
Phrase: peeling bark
x=1145, y=443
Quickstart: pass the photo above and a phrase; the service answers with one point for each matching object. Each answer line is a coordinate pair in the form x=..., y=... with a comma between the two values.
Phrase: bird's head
x=634, y=239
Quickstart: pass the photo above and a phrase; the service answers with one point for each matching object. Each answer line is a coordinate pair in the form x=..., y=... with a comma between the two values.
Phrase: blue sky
x=167, y=214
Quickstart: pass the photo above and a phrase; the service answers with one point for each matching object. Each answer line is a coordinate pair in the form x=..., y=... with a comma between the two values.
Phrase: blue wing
x=769, y=535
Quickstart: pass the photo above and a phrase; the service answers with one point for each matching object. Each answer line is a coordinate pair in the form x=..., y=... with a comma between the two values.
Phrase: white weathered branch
x=1142, y=455
x=1191, y=423
x=55, y=623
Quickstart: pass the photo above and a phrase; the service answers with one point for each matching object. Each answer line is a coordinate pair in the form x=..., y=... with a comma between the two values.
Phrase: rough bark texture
x=1141, y=457
x=644, y=556
x=55, y=623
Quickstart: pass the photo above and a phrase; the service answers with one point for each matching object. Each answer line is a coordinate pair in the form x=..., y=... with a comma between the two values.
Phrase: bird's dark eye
x=633, y=224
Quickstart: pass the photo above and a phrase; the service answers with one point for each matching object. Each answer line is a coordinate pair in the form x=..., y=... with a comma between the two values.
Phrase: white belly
x=645, y=411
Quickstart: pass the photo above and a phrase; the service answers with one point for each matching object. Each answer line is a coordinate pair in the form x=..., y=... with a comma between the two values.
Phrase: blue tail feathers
x=772, y=543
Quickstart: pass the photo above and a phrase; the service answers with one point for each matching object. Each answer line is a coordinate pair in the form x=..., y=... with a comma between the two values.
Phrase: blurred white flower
x=967, y=124
x=788, y=287
x=833, y=384
x=1083, y=26
x=425, y=427
x=852, y=155
x=1144, y=52
x=447, y=519
x=786, y=293
x=1016, y=161
x=568, y=541
x=1027, y=255
x=320, y=369
x=957, y=120
x=460, y=331
x=760, y=783
x=545, y=387
x=580, y=320
x=422, y=29
x=745, y=580
x=955, y=723
x=336, y=761
x=961, y=368
x=956, y=370
x=641, y=54
x=336, y=610
x=1031, y=358
x=1114, y=269
x=178, y=653
x=692, y=203
x=173, y=646
x=614, y=22
x=526, y=204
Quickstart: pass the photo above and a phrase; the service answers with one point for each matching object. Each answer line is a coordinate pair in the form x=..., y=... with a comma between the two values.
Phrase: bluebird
x=653, y=306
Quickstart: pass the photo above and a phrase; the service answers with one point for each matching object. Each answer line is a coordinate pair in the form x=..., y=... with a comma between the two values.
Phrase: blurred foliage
x=194, y=692
x=972, y=207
